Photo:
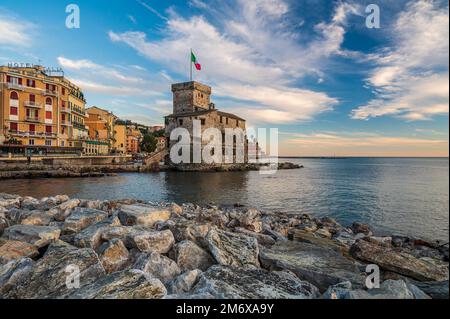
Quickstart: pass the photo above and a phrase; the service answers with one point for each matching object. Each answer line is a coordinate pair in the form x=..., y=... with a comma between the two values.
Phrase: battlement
x=190, y=97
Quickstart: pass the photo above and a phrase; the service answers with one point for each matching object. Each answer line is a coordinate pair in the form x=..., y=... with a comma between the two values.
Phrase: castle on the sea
x=192, y=101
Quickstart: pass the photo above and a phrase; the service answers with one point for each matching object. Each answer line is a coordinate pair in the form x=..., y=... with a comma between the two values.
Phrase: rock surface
x=134, y=249
x=225, y=282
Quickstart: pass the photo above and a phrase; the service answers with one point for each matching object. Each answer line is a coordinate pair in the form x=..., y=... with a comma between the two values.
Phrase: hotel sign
x=47, y=70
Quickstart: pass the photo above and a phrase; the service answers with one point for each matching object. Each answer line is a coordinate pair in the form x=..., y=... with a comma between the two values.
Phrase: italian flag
x=194, y=60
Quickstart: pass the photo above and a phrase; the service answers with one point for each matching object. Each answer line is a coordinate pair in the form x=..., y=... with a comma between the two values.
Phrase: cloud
x=98, y=70
x=250, y=54
x=410, y=80
x=15, y=31
x=361, y=144
x=119, y=90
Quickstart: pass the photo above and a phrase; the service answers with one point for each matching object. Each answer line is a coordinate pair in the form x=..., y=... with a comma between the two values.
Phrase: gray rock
x=38, y=218
x=113, y=255
x=358, y=228
x=141, y=214
x=190, y=256
x=158, y=266
x=49, y=274
x=232, y=249
x=187, y=230
x=423, y=269
x=13, y=272
x=149, y=240
x=11, y=249
x=39, y=236
x=91, y=236
x=127, y=284
x=318, y=265
x=435, y=289
x=184, y=282
x=264, y=240
x=224, y=282
x=81, y=217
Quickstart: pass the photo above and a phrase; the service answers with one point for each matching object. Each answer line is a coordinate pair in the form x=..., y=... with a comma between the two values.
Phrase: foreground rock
x=39, y=236
x=233, y=249
x=48, y=275
x=224, y=282
x=320, y=266
x=134, y=249
x=127, y=284
x=401, y=262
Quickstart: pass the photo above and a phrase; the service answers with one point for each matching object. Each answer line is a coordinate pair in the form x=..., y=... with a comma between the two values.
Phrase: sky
x=310, y=68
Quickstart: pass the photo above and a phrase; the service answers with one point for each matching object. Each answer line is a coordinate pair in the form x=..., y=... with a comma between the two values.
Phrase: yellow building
x=101, y=125
x=35, y=117
x=120, y=144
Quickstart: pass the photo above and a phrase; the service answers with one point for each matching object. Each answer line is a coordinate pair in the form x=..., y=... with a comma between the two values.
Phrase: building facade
x=101, y=126
x=192, y=102
x=34, y=111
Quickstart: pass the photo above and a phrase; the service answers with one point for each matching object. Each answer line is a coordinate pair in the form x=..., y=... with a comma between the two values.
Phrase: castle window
x=226, y=120
x=237, y=123
x=180, y=121
x=203, y=121
x=221, y=119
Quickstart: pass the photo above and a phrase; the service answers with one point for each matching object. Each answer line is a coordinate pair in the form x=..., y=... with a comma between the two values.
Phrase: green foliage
x=12, y=141
x=159, y=133
x=148, y=143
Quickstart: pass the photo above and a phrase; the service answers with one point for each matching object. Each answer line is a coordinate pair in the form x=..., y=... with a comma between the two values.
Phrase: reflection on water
x=405, y=196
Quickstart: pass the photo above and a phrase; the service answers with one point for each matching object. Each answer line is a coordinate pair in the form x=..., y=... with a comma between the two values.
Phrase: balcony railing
x=51, y=92
x=32, y=133
x=15, y=86
x=66, y=123
x=32, y=104
x=32, y=119
x=65, y=110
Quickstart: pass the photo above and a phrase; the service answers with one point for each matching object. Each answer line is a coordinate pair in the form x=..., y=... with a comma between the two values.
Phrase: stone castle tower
x=192, y=102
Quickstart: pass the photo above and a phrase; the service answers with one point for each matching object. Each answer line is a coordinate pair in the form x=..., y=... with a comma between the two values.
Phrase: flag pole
x=190, y=60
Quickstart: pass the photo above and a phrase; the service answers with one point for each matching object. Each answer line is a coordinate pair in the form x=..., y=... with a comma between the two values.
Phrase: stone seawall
x=133, y=249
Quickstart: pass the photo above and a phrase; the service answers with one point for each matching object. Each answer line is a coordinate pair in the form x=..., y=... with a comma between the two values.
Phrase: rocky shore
x=40, y=171
x=135, y=249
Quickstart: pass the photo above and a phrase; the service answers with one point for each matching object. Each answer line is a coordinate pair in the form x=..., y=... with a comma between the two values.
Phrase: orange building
x=134, y=138
x=35, y=117
x=101, y=126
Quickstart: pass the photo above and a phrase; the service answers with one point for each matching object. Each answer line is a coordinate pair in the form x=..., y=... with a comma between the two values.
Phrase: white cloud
x=15, y=31
x=255, y=56
x=411, y=79
x=361, y=144
x=118, y=90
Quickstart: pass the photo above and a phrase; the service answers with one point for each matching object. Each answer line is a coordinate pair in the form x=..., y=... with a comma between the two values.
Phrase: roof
x=203, y=112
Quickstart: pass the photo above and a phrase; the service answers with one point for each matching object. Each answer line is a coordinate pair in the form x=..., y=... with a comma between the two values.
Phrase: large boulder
x=38, y=218
x=113, y=255
x=12, y=249
x=435, y=289
x=187, y=230
x=264, y=240
x=13, y=272
x=399, y=261
x=184, y=282
x=126, y=284
x=224, y=282
x=81, y=217
x=141, y=214
x=389, y=289
x=50, y=273
x=91, y=237
x=321, y=266
x=232, y=249
x=39, y=236
x=250, y=220
x=149, y=240
x=64, y=209
x=158, y=266
x=190, y=256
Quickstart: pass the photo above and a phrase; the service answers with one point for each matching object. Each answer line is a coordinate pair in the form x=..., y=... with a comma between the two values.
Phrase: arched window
x=14, y=96
x=48, y=101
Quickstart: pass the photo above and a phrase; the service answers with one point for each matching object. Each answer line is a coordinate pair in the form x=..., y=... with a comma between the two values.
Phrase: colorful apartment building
x=127, y=139
x=101, y=126
x=35, y=117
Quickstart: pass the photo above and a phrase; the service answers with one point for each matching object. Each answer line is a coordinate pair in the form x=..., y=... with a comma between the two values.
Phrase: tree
x=159, y=133
x=148, y=143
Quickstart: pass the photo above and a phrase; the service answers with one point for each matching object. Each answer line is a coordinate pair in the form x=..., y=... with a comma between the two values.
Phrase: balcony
x=15, y=86
x=66, y=123
x=32, y=133
x=65, y=110
x=51, y=92
x=32, y=119
x=32, y=104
